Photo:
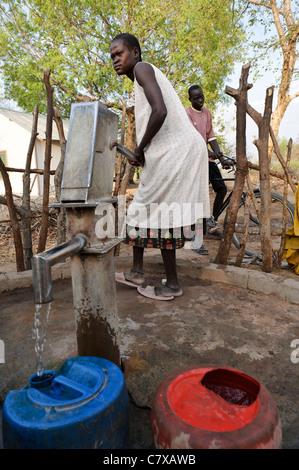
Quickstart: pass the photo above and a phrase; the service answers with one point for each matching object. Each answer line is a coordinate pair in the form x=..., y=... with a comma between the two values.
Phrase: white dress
x=173, y=190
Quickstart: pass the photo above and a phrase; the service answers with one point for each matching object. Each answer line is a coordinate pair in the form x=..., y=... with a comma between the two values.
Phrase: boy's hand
x=226, y=163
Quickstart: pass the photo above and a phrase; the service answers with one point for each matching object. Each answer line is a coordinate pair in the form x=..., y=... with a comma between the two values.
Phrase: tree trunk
x=26, y=221
x=118, y=176
x=14, y=220
x=287, y=27
x=61, y=217
x=130, y=143
x=118, y=165
x=47, y=164
x=240, y=96
x=264, y=173
x=284, y=98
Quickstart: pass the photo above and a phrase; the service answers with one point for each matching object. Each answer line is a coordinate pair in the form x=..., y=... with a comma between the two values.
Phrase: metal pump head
x=90, y=155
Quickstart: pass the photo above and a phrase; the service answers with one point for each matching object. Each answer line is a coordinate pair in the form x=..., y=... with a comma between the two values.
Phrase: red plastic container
x=214, y=407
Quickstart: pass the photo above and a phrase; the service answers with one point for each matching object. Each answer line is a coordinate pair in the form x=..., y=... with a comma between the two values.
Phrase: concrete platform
x=227, y=316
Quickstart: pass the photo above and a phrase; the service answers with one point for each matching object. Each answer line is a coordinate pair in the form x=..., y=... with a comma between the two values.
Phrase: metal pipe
x=42, y=263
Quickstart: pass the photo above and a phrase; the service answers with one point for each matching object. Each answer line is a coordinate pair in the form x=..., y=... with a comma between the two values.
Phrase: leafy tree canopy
x=276, y=47
x=191, y=41
x=276, y=26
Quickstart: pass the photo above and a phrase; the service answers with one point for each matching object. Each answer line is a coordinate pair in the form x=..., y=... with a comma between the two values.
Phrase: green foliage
x=266, y=44
x=192, y=41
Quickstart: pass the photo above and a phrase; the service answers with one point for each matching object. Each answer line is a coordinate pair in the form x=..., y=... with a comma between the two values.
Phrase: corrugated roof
x=25, y=120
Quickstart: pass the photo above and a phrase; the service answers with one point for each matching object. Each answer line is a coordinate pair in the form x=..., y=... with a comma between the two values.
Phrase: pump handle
x=126, y=152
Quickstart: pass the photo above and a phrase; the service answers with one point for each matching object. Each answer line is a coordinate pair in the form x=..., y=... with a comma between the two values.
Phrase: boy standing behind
x=201, y=119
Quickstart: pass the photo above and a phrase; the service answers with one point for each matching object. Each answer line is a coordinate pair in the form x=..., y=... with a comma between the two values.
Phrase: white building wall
x=14, y=140
x=40, y=157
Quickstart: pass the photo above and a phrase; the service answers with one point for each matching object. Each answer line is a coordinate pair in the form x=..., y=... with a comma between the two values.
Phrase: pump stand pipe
x=42, y=263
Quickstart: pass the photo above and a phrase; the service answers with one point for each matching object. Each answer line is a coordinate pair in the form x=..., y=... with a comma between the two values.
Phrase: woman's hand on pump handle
x=140, y=156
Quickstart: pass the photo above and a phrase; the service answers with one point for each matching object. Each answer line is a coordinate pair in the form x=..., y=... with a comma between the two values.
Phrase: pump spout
x=42, y=263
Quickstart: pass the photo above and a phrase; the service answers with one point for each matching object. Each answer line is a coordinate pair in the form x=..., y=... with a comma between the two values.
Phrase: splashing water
x=41, y=318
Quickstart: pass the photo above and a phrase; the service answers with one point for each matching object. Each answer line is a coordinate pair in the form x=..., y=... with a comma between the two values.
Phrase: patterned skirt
x=164, y=239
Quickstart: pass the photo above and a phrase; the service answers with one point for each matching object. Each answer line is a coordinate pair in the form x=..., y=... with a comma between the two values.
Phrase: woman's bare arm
x=145, y=76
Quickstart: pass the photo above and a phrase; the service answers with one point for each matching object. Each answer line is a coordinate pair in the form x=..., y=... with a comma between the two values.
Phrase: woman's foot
x=131, y=278
x=168, y=291
x=160, y=293
x=135, y=277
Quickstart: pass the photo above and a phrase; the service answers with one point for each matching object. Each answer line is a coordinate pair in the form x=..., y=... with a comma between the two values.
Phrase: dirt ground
x=212, y=323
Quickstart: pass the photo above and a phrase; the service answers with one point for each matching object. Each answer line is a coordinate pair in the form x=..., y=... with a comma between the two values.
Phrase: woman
x=175, y=172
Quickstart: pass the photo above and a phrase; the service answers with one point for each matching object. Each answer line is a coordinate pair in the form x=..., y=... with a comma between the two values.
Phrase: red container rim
x=218, y=400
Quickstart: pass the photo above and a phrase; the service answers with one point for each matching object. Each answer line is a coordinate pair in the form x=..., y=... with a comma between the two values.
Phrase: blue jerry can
x=83, y=405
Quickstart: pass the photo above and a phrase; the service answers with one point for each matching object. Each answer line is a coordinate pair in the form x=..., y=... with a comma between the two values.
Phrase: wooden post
x=240, y=97
x=118, y=157
x=14, y=220
x=249, y=198
x=47, y=164
x=26, y=220
x=265, y=215
x=130, y=143
x=61, y=217
x=280, y=251
x=118, y=171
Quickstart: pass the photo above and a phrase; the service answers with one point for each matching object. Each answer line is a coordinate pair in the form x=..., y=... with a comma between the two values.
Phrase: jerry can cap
x=79, y=384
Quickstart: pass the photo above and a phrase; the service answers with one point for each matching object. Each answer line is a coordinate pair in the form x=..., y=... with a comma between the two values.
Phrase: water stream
x=41, y=319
